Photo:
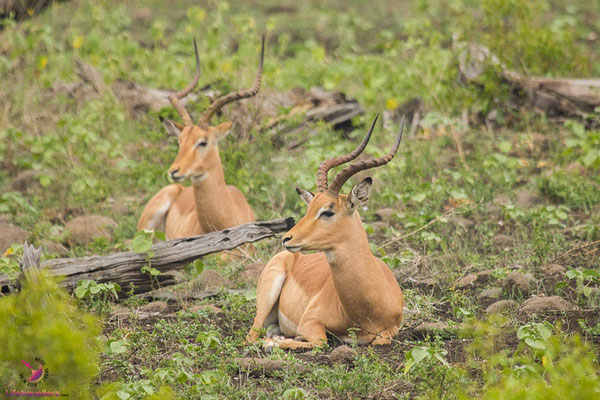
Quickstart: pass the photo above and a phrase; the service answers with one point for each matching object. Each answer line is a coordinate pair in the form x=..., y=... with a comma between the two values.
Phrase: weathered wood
x=185, y=296
x=135, y=97
x=261, y=114
x=21, y=9
x=556, y=97
x=266, y=367
x=124, y=268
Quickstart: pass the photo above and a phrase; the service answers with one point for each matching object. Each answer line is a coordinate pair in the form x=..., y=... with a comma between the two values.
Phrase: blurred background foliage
x=89, y=154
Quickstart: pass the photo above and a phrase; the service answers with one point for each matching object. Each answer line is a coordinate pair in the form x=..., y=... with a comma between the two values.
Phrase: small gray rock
x=384, y=213
x=542, y=304
x=251, y=273
x=51, y=247
x=516, y=282
x=429, y=329
x=466, y=281
x=204, y=307
x=155, y=307
x=502, y=306
x=554, y=269
x=527, y=198
x=490, y=294
x=210, y=279
x=343, y=354
x=26, y=181
x=426, y=284
x=464, y=223
x=486, y=276
x=83, y=230
x=10, y=234
x=502, y=241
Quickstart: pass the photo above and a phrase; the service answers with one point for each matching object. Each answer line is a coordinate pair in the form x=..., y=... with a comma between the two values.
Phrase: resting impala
x=209, y=204
x=343, y=286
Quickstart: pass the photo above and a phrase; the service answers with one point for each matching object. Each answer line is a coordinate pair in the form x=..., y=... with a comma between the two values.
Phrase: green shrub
x=41, y=321
x=573, y=376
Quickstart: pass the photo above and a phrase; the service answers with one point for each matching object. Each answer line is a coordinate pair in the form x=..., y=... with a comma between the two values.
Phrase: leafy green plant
x=420, y=354
x=142, y=244
x=97, y=294
x=585, y=145
x=9, y=264
x=572, y=375
x=584, y=280
x=535, y=335
x=295, y=394
x=42, y=321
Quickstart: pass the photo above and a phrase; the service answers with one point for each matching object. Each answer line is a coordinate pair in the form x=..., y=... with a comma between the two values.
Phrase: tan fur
x=209, y=204
x=342, y=286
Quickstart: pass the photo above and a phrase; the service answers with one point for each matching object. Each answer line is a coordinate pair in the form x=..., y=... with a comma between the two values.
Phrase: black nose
x=174, y=172
x=287, y=239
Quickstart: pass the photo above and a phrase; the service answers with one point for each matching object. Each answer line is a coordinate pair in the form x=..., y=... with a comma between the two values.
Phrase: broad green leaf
x=198, y=266
x=535, y=344
x=123, y=395
x=141, y=242
x=80, y=292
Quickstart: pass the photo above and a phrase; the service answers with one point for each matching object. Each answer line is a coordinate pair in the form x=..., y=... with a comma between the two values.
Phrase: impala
x=342, y=286
x=209, y=204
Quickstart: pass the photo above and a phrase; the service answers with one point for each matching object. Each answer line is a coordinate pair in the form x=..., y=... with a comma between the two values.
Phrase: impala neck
x=213, y=205
x=356, y=275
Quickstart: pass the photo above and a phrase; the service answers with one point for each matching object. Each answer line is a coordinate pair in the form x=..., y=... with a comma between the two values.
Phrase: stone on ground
x=502, y=306
x=541, y=304
x=83, y=230
x=10, y=234
x=343, y=354
x=517, y=282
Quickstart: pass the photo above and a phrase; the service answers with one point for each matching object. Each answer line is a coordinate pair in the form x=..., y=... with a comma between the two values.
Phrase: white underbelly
x=288, y=328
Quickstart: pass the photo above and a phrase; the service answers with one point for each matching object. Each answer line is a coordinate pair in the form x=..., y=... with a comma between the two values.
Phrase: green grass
x=92, y=153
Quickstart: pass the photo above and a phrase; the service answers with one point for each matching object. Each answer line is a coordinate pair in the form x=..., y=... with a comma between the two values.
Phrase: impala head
x=331, y=217
x=198, y=142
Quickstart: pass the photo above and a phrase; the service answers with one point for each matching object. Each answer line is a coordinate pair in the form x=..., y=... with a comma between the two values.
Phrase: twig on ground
x=461, y=153
x=574, y=249
x=433, y=221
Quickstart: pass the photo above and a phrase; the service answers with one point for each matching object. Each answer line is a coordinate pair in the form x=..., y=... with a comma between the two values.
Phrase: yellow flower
x=77, y=42
x=391, y=104
x=43, y=62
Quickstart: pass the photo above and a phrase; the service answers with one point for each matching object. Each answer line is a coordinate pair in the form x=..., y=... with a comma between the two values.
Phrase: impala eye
x=202, y=144
x=327, y=214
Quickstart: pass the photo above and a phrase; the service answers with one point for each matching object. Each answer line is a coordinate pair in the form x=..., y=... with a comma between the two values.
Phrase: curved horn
x=352, y=169
x=175, y=97
x=242, y=94
x=334, y=162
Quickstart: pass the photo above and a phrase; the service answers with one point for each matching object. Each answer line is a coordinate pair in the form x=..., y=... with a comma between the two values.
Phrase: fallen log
x=280, y=112
x=258, y=367
x=125, y=268
x=21, y=9
x=558, y=98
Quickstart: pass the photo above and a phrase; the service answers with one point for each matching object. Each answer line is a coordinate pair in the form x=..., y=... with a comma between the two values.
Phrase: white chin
x=198, y=178
x=293, y=249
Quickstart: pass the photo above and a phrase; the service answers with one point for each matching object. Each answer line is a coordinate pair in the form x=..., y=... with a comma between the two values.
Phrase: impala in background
x=209, y=204
x=341, y=287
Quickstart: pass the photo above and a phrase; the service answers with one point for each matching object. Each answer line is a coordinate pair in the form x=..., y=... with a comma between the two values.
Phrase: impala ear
x=172, y=127
x=360, y=193
x=223, y=129
x=305, y=195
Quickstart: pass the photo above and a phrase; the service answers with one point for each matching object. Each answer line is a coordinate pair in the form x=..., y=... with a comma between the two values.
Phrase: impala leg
x=154, y=215
x=381, y=338
x=267, y=294
x=312, y=330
